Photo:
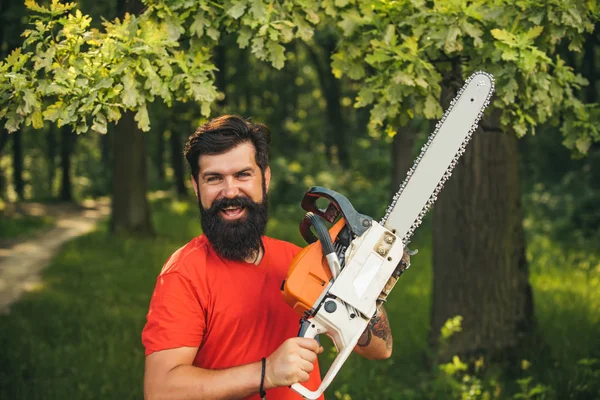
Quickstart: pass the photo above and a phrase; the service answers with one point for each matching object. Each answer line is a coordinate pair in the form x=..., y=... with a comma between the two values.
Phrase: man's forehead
x=238, y=158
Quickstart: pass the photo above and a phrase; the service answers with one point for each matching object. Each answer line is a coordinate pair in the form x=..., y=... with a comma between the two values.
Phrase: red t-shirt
x=233, y=311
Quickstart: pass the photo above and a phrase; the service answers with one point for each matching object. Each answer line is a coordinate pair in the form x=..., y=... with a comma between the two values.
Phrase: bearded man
x=218, y=327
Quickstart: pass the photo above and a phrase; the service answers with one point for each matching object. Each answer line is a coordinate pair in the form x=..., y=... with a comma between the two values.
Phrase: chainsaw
x=337, y=281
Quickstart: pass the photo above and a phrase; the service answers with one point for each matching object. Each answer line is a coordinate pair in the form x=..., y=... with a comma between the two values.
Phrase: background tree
x=11, y=21
x=479, y=248
x=67, y=144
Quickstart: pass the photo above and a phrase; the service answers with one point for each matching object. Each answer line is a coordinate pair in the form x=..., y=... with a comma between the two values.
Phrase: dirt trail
x=22, y=260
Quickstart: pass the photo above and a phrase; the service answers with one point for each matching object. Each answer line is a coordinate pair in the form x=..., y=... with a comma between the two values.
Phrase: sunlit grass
x=79, y=337
x=566, y=285
x=19, y=226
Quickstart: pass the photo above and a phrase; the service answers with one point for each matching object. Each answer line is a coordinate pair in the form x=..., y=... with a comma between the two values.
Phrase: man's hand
x=292, y=362
x=171, y=375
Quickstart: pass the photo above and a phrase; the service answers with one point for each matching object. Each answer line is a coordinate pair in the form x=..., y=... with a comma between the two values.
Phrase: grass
x=17, y=225
x=78, y=336
x=567, y=299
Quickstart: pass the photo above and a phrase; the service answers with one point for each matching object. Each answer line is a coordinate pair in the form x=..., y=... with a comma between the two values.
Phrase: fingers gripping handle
x=344, y=336
x=333, y=370
x=310, y=329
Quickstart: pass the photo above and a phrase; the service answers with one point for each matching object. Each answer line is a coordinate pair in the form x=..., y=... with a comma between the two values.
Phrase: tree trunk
x=130, y=207
x=130, y=6
x=247, y=87
x=51, y=160
x=105, y=153
x=588, y=67
x=3, y=141
x=402, y=154
x=219, y=55
x=337, y=132
x=18, y=182
x=337, y=124
x=160, y=155
x=479, y=266
x=66, y=149
x=177, y=162
x=106, y=158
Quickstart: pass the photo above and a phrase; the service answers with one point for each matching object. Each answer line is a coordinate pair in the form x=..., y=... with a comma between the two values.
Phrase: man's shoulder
x=190, y=256
x=279, y=243
x=280, y=246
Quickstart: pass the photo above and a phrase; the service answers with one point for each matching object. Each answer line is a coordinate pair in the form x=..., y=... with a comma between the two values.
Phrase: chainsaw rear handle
x=343, y=332
x=311, y=329
x=357, y=222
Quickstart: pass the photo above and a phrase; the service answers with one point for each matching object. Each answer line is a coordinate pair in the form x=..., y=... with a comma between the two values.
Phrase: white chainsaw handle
x=344, y=348
x=310, y=329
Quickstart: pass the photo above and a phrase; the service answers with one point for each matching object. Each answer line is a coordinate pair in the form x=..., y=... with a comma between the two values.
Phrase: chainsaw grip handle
x=310, y=219
x=311, y=330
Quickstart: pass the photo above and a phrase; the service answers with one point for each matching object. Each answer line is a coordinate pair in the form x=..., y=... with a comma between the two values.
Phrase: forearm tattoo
x=378, y=327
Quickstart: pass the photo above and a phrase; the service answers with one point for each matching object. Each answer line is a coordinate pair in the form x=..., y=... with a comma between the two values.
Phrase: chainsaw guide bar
x=434, y=165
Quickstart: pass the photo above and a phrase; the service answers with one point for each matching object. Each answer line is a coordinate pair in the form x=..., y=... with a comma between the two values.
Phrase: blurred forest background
x=525, y=212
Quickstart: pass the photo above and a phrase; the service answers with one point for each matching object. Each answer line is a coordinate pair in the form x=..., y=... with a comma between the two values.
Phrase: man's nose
x=230, y=190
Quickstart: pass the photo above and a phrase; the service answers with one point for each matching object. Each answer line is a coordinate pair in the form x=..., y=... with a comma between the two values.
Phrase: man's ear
x=267, y=177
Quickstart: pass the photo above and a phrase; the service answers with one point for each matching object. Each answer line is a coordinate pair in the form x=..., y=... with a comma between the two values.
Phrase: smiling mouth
x=232, y=212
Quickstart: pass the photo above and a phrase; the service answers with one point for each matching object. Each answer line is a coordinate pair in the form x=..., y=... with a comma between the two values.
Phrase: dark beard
x=236, y=240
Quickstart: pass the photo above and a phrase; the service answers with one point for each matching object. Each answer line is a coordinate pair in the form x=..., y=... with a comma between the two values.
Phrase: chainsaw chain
x=450, y=168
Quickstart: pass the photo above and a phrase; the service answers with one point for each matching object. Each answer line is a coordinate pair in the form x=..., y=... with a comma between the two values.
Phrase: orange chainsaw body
x=309, y=274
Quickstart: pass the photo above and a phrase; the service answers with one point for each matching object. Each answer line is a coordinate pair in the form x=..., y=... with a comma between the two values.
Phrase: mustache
x=239, y=201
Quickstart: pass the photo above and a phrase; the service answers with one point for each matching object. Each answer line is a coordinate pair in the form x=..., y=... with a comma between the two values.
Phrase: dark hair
x=222, y=134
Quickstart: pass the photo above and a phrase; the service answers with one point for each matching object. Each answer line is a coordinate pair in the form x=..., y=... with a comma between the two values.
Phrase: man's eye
x=244, y=175
x=212, y=179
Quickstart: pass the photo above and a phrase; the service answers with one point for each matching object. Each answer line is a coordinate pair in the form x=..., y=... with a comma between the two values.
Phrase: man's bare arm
x=376, y=341
x=169, y=374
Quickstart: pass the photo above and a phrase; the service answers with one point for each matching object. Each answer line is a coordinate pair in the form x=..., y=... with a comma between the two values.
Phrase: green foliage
x=561, y=193
x=398, y=51
x=588, y=378
x=262, y=25
x=451, y=327
x=531, y=391
x=477, y=381
x=408, y=47
x=71, y=74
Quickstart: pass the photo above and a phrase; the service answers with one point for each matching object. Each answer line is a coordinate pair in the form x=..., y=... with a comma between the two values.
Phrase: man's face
x=232, y=200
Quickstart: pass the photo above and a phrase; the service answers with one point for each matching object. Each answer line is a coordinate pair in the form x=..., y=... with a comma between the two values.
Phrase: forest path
x=23, y=259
